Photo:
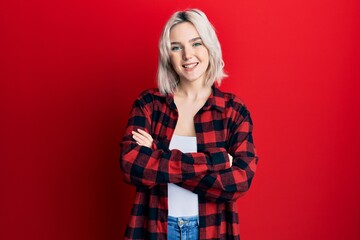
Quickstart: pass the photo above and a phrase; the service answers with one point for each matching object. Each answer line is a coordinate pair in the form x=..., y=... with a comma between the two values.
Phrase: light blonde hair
x=167, y=78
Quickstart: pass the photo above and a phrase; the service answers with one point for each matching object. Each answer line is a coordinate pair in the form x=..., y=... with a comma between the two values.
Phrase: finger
x=139, y=135
x=145, y=140
x=137, y=138
x=145, y=134
x=230, y=159
x=142, y=142
x=142, y=131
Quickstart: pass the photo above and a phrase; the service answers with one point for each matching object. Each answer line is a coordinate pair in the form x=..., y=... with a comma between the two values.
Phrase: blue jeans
x=183, y=228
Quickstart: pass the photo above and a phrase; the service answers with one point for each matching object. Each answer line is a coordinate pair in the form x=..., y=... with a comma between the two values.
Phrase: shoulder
x=235, y=106
x=149, y=96
x=231, y=100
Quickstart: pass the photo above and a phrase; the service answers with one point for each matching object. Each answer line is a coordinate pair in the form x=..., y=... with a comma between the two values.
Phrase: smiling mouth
x=190, y=66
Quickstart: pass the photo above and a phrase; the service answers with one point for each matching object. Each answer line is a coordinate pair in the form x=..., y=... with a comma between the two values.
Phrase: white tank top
x=182, y=202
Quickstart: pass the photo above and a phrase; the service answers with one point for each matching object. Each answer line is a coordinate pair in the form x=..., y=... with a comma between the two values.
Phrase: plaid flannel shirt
x=223, y=125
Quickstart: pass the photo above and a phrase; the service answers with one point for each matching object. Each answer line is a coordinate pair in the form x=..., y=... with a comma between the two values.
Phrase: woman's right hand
x=230, y=159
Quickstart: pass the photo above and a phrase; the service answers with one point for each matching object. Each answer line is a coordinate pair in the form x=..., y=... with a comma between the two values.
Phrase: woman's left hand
x=142, y=138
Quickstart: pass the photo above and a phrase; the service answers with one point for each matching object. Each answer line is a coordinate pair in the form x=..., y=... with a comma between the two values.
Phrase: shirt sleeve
x=229, y=184
x=147, y=167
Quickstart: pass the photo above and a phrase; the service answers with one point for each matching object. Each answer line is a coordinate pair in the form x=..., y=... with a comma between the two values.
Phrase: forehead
x=183, y=32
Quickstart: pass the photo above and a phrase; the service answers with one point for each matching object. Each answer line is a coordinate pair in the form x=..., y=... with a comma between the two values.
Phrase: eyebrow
x=191, y=40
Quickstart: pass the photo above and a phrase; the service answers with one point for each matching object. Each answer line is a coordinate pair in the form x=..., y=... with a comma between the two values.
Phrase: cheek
x=206, y=58
x=174, y=64
x=205, y=55
x=174, y=60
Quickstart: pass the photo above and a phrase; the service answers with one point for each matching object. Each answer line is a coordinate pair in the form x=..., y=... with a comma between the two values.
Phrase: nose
x=187, y=53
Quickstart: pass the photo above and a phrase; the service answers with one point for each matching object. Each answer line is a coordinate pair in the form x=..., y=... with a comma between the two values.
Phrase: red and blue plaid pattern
x=223, y=125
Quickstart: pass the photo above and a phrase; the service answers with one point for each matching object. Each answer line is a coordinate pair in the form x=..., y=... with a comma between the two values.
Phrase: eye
x=175, y=48
x=196, y=44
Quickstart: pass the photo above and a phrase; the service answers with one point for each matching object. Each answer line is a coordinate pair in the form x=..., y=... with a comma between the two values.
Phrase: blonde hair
x=167, y=78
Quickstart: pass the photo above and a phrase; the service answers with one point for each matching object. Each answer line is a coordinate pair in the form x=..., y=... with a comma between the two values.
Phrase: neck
x=193, y=90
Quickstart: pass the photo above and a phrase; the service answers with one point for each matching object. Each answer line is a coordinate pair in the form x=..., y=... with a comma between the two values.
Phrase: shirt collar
x=216, y=100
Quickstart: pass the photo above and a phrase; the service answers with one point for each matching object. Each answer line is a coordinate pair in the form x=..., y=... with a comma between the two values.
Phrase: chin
x=191, y=79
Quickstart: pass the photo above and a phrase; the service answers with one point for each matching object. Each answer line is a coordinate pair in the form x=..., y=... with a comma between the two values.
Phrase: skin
x=190, y=60
x=142, y=138
x=189, y=56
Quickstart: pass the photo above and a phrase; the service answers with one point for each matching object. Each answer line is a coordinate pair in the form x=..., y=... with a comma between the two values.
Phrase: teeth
x=190, y=65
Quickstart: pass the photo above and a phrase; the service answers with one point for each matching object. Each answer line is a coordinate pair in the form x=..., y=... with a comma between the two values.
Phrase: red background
x=70, y=71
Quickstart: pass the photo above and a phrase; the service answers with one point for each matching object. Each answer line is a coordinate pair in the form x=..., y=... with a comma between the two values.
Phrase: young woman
x=188, y=146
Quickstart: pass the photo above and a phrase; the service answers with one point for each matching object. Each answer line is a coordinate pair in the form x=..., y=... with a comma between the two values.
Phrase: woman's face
x=189, y=56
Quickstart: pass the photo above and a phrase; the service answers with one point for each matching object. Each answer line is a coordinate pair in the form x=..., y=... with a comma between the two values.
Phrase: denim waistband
x=183, y=228
x=177, y=220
